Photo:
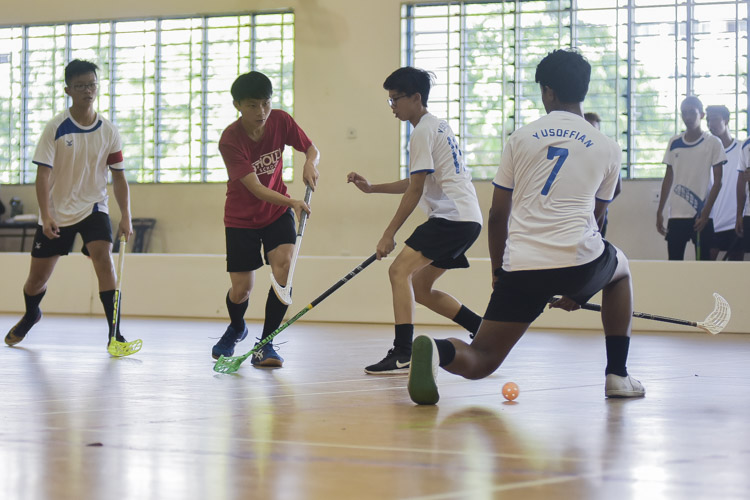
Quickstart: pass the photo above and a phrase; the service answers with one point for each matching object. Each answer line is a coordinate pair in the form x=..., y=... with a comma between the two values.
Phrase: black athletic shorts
x=444, y=241
x=95, y=227
x=724, y=240
x=521, y=296
x=680, y=231
x=244, y=245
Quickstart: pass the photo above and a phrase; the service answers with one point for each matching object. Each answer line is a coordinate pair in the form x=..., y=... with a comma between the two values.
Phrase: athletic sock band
x=617, y=354
x=32, y=304
x=108, y=301
x=446, y=351
x=237, y=314
x=404, y=335
x=275, y=311
x=468, y=319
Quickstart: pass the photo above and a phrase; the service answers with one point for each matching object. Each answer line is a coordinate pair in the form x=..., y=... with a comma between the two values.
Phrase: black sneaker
x=20, y=329
x=267, y=356
x=225, y=345
x=396, y=361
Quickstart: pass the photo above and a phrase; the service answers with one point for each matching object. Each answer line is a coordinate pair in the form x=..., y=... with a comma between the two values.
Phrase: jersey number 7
x=562, y=155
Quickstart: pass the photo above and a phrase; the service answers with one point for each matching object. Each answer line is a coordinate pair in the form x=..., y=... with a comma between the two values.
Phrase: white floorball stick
x=284, y=293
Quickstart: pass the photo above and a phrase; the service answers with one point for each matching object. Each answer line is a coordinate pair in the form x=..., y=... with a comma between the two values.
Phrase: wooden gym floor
x=76, y=424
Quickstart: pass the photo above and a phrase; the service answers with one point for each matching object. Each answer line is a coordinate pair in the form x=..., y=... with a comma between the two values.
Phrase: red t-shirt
x=243, y=156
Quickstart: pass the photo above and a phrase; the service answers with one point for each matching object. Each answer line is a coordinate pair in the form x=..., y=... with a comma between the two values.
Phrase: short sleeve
x=115, y=159
x=295, y=136
x=504, y=176
x=606, y=191
x=45, y=148
x=420, y=151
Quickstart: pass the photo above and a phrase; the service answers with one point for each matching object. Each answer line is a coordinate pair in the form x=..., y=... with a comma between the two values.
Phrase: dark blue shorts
x=95, y=227
x=521, y=296
x=244, y=245
x=444, y=241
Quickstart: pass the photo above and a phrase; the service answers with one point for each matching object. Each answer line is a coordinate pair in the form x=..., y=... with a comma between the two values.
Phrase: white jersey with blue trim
x=448, y=192
x=724, y=211
x=78, y=157
x=691, y=163
x=742, y=170
x=556, y=167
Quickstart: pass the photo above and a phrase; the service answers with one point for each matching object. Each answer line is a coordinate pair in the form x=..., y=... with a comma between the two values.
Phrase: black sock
x=275, y=311
x=468, y=319
x=237, y=314
x=108, y=301
x=617, y=354
x=404, y=334
x=446, y=351
x=32, y=304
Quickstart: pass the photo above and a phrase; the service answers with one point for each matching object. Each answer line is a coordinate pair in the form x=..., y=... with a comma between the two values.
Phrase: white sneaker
x=623, y=387
x=423, y=371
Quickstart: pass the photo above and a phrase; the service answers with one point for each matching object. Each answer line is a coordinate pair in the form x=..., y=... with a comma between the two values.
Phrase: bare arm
x=706, y=212
x=409, y=202
x=122, y=196
x=310, y=172
x=497, y=226
x=741, y=198
x=600, y=210
x=666, y=187
x=396, y=187
x=49, y=225
x=253, y=184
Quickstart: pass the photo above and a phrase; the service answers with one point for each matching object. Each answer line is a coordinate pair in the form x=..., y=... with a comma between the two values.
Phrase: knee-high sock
x=275, y=311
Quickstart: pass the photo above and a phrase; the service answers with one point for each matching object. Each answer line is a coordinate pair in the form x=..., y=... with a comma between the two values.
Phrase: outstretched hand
x=359, y=181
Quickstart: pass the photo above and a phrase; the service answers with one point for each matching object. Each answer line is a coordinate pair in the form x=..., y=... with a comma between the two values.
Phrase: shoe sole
x=395, y=371
x=11, y=339
x=269, y=363
x=624, y=394
x=422, y=387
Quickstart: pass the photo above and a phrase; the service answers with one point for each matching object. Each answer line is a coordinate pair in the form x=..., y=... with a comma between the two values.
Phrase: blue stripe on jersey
x=679, y=143
x=41, y=164
x=730, y=149
x=603, y=201
x=502, y=187
x=68, y=127
x=428, y=170
x=747, y=141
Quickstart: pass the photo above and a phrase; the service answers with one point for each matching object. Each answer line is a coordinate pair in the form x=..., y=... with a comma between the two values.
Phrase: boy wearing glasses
x=75, y=154
x=440, y=184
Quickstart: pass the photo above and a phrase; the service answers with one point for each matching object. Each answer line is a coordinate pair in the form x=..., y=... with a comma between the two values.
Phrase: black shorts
x=746, y=233
x=726, y=240
x=244, y=245
x=95, y=227
x=679, y=231
x=521, y=296
x=444, y=241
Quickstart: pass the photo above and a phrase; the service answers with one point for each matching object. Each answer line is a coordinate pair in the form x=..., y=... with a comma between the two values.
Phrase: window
x=646, y=56
x=164, y=82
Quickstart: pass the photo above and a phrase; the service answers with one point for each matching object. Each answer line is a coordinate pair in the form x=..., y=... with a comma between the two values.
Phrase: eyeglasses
x=392, y=100
x=80, y=87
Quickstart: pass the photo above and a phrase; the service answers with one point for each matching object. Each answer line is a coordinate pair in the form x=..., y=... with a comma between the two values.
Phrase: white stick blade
x=719, y=317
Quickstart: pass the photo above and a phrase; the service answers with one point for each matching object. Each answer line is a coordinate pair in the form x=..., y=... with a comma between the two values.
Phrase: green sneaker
x=423, y=371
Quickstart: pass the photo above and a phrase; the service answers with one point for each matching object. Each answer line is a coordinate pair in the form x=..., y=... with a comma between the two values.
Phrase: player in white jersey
x=556, y=177
x=75, y=153
x=724, y=212
x=742, y=224
x=440, y=183
x=690, y=158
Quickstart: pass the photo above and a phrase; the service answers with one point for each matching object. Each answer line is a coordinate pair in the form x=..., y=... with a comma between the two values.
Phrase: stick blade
x=228, y=365
x=122, y=349
x=719, y=317
x=282, y=293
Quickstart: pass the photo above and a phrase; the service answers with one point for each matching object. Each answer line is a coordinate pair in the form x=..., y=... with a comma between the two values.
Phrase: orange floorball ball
x=510, y=391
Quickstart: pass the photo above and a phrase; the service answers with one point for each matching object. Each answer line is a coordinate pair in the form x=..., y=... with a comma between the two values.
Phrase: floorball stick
x=284, y=293
x=713, y=324
x=115, y=347
x=231, y=365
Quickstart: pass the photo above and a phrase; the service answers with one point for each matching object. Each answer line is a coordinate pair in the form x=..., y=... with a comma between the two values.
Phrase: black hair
x=566, y=72
x=78, y=67
x=592, y=117
x=253, y=85
x=691, y=100
x=410, y=81
x=720, y=110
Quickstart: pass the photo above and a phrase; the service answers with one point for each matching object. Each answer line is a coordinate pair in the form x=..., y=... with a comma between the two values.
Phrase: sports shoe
x=423, y=371
x=623, y=387
x=20, y=329
x=225, y=345
x=396, y=361
x=118, y=337
x=267, y=356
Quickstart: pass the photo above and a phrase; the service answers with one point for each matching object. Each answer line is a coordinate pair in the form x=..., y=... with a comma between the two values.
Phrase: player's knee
x=482, y=366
